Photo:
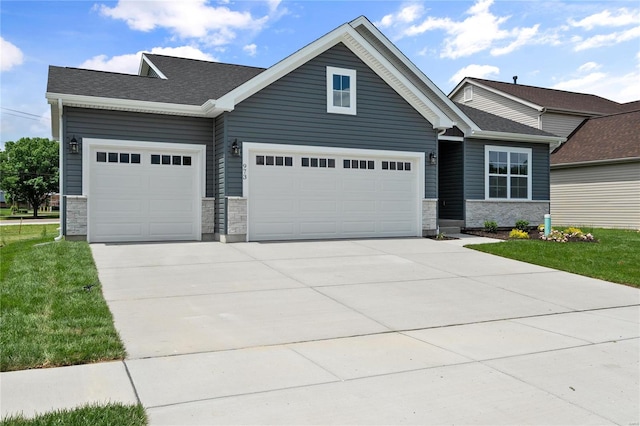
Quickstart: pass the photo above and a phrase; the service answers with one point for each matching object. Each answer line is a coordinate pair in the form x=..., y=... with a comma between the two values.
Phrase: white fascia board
x=515, y=137
x=128, y=105
x=407, y=62
x=146, y=60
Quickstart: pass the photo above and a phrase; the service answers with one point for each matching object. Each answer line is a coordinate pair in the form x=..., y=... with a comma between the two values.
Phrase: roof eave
x=514, y=137
x=96, y=102
x=595, y=162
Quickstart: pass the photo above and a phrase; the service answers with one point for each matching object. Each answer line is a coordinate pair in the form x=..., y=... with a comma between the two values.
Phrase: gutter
x=515, y=137
x=595, y=162
x=60, y=172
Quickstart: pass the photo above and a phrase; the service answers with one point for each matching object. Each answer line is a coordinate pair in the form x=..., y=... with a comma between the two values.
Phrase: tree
x=29, y=170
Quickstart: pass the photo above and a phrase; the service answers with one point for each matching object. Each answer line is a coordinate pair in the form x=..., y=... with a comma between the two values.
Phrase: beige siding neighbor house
x=554, y=111
x=595, y=175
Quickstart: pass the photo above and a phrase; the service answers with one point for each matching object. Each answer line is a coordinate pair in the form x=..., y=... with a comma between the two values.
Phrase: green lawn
x=6, y=214
x=614, y=258
x=49, y=316
x=90, y=415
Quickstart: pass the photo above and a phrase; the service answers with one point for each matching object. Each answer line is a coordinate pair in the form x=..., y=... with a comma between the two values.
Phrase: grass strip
x=613, y=258
x=53, y=312
x=88, y=415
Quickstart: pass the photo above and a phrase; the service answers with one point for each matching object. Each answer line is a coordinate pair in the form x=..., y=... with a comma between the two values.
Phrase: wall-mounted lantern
x=433, y=158
x=74, y=145
x=235, y=148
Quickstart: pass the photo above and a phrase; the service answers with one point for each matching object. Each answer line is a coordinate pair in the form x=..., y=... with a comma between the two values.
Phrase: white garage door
x=310, y=196
x=143, y=193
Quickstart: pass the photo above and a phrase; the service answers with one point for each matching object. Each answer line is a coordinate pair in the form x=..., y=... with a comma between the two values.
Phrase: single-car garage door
x=332, y=194
x=143, y=192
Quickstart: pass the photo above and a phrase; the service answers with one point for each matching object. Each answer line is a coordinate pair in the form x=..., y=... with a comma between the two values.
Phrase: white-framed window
x=507, y=173
x=467, y=94
x=341, y=91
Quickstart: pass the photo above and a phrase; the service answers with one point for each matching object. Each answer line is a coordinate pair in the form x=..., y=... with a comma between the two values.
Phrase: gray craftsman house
x=345, y=138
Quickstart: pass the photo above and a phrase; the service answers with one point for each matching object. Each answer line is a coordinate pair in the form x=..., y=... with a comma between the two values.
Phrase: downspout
x=60, y=173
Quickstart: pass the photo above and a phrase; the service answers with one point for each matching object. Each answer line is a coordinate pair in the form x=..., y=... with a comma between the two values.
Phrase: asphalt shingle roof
x=602, y=138
x=556, y=99
x=189, y=81
x=493, y=123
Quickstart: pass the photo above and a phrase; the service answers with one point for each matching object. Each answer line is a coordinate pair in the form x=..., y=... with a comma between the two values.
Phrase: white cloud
x=250, y=49
x=481, y=30
x=473, y=70
x=620, y=88
x=129, y=63
x=406, y=14
x=11, y=55
x=607, y=39
x=589, y=66
x=620, y=18
x=196, y=19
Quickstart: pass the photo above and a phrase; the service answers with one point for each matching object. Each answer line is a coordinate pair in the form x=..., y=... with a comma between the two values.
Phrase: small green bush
x=491, y=226
x=522, y=225
x=518, y=234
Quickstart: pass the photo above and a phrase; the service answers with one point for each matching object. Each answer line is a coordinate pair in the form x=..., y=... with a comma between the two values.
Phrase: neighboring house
x=555, y=111
x=595, y=175
x=344, y=138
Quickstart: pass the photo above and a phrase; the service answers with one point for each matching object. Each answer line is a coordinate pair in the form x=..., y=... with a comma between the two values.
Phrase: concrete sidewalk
x=363, y=331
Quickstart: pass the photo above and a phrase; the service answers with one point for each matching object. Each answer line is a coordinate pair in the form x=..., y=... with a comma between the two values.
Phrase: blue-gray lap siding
x=121, y=125
x=293, y=110
x=474, y=163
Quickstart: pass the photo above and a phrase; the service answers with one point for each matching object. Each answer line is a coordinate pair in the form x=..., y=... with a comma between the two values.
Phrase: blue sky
x=585, y=46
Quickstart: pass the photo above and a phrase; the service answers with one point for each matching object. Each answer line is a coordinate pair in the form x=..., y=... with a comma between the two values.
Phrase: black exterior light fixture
x=235, y=148
x=433, y=158
x=74, y=145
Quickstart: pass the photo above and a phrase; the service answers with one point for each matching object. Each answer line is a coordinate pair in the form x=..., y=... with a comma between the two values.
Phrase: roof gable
x=610, y=137
x=543, y=98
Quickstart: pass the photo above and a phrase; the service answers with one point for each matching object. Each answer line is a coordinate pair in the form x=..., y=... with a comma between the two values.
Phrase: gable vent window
x=468, y=94
x=341, y=91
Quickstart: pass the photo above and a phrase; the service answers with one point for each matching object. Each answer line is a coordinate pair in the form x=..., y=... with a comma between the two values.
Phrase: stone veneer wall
x=76, y=216
x=429, y=216
x=208, y=218
x=506, y=213
x=236, y=220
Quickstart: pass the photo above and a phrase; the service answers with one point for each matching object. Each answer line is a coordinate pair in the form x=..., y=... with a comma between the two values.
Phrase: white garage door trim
x=250, y=148
x=197, y=152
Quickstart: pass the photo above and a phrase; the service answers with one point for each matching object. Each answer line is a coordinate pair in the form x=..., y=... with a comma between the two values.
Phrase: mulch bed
x=503, y=234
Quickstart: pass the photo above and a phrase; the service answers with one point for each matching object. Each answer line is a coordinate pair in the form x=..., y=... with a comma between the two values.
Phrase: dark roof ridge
x=633, y=111
x=544, y=88
x=203, y=60
x=100, y=71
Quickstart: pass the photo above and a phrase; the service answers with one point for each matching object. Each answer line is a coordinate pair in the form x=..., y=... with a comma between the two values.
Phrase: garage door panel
x=118, y=207
x=170, y=229
x=366, y=206
x=356, y=228
x=316, y=207
x=318, y=228
x=396, y=227
x=318, y=182
x=273, y=230
x=118, y=231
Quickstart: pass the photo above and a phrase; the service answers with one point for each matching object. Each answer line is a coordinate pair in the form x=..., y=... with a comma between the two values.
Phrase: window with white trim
x=341, y=91
x=467, y=94
x=508, y=173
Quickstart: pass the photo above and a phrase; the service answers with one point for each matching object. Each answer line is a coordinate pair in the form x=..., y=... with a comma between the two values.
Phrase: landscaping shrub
x=518, y=234
x=491, y=226
x=522, y=225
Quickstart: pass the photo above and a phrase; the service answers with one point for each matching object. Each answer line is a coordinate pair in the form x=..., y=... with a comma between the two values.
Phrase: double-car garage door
x=331, y=193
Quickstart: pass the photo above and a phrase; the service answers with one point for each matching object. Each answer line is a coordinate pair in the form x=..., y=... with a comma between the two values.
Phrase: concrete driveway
x=370, y=332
